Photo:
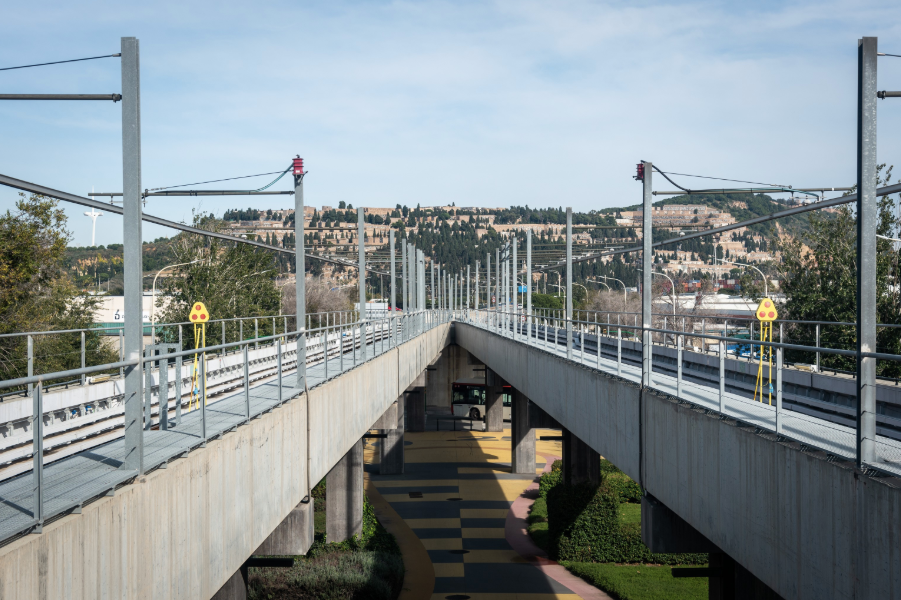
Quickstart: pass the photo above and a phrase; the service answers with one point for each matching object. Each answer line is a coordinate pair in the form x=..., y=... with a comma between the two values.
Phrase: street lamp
x=672, y=288
x=766, y=292
x=153, y=297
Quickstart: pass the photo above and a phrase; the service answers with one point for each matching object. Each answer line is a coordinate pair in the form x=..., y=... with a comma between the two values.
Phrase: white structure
x=93, y=214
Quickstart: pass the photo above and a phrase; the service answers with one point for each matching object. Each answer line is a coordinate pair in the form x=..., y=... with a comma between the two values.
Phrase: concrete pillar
x=344, y=496
x=494, y=405
x=581, y=463
x=235, y=588
x=662, y=530
x=391, y=448
x=414, y=409
x=294, y=535
x=523, y=435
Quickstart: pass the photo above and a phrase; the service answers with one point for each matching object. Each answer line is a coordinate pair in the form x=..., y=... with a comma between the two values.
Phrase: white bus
x=469, y=398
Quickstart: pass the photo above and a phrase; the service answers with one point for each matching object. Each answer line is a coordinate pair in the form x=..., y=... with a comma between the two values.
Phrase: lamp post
x=766, y=287
x=153, y=301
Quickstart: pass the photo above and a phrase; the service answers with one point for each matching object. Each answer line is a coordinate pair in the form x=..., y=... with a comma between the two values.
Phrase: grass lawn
x=640, y=582
x=372, y=568
x=623, y=582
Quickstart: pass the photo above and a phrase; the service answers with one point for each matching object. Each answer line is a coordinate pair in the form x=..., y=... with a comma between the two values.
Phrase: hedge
x=583, y=524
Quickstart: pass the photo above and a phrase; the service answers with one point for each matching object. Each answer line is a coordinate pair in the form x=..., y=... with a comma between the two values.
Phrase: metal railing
x=547, y=329
x=338, y=345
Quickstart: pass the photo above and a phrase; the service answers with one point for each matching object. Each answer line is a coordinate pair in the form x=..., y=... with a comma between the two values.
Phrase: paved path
x=455, y=495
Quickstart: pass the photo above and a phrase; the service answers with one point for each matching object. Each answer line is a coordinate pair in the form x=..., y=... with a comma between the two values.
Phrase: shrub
x=549, y=480
x=584, y=527
x=626, y=487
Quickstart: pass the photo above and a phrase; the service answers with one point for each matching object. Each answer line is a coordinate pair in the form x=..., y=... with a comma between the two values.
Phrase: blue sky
x=478, y=103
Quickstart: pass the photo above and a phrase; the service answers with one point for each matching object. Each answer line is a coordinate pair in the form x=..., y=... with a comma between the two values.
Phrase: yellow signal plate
x=199, y=313
x=766, y=311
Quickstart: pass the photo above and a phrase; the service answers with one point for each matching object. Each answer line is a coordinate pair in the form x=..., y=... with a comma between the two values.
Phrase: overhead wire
x=59, y=62
x=281, y=174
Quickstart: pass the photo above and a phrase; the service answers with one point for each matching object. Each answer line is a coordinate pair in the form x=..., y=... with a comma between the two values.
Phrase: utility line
x=884, y=54
x=280, y=175
x=59, y=62
x=717, y=178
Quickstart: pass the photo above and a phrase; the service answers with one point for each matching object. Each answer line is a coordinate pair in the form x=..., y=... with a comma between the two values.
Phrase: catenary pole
x=867, y=214
x=132, y=252
x=569, y=282
x=647, y=259
x=361, y=246
x=300, y=267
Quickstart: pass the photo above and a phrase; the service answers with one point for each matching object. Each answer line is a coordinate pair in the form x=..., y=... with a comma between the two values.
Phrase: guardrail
x=351, y=343
x=551, y=331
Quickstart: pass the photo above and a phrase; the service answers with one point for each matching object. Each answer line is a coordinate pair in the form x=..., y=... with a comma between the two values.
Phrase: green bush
x=549, y=480
x=640, y=582
x=626, y=487
x=584, y=526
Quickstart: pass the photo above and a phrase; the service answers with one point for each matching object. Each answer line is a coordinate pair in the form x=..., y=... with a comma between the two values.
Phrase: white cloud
x=428, y=102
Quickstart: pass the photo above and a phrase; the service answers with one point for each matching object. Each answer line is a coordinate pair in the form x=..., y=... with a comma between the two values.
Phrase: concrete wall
x=453, y=363
x=181, y=532
x=805, y=526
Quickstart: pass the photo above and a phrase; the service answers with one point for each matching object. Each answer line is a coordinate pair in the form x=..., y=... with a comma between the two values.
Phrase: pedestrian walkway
x=455, y=495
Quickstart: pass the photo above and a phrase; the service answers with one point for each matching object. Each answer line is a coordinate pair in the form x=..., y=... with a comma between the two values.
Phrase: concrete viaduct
x=779, y=519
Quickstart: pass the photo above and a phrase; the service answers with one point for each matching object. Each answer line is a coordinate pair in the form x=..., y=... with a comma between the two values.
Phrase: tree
x=819, y=278
x=342, y=205
x=36, y=294
x=233, y=280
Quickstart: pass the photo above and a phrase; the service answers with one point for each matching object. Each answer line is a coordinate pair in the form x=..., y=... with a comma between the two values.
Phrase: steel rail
x=883, y=191
x=113, y=97
x=67, y=197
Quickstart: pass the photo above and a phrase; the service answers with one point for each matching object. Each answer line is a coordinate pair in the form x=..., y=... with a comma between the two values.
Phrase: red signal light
x=298, y=166
x=639, y=172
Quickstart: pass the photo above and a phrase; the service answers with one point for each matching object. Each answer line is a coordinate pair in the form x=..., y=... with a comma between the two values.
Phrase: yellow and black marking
x=455, y=495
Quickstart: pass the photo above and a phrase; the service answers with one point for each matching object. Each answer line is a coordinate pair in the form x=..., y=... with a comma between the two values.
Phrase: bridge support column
x=662, y=530
x=414, y=411
x=523, y=435
x=235, y=588
x=344, y=496
x=294, y=535
x=494, y=401
x=581, y=463
x=391, y=448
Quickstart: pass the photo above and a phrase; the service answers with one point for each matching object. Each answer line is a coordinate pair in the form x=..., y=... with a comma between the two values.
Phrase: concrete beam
x=807, y=525
x=523, y=436
x=581, y=463
x=294, y=535
x=191, y=526
x=664, y=531
x=494, y=405
x=344, y=496
x=414, y=409
x=391, y=448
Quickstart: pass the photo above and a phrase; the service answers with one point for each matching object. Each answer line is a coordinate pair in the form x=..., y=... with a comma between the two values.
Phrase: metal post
x=31, y=358
x=122, y=347
x=468, y=290
x=432, y=287
x=647, y=260
x=487, y=289
x=83, y=376
x=497, y=293
x=779, y=390
x=132, y=260
x=37, y=454
x=529, y=281
x=679, y=368
x=246, y=383
x=515, y=283
x=393, y=304
x=300, y=283
x=817, y=344
x=476, y=295
x=403, y=275
x=222, y=353
x=722, y=353
x=362, y=260
x=866, y=250
x=202, y=379
x=569, y=282
x=256, y=333
x=278, y=355
x=178, y=377
x=619, y=348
